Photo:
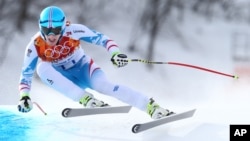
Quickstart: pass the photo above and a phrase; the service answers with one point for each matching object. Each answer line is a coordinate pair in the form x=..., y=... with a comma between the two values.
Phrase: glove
x=119, y=60
x=25, y=105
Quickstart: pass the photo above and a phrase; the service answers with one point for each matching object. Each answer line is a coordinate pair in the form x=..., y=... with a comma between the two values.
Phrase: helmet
x=52, y=17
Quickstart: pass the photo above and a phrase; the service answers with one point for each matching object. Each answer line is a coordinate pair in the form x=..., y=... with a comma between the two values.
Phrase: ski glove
x=119, y=60
x=25, y=105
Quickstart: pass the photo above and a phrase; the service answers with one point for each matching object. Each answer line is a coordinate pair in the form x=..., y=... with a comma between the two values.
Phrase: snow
x=219, y=100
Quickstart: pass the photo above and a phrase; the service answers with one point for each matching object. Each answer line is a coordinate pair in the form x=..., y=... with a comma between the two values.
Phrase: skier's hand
x=119, y=60
x=25, y=105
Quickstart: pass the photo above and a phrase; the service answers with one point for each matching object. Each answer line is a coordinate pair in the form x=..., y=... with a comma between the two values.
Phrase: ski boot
x=89, y=101
x=157, y=112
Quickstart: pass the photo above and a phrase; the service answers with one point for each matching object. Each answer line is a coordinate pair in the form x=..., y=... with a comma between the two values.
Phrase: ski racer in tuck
x=66, y=68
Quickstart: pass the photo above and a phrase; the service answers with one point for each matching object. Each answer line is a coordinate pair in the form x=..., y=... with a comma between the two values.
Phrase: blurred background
x=207, y=33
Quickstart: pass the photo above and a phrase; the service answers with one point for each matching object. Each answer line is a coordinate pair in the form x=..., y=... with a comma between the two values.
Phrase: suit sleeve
x=95, y=37
x=28, y=68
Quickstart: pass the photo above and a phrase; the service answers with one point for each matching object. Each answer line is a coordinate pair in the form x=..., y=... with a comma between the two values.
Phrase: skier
x=66, y=68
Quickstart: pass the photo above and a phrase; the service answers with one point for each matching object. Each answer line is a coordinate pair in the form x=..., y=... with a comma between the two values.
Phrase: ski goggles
x=55, y=31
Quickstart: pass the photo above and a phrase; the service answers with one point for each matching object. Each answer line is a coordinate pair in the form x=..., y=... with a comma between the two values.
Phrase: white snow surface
x=219, y=100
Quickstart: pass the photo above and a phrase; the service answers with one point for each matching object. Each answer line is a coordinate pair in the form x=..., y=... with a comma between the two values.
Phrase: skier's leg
x=136, y=99
x=57, y=81
x=101, y=84
x=79, y=75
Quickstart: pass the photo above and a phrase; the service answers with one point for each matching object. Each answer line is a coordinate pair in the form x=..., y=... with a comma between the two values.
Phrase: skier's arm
x=100, y=39
x=83, y=33
x=28, y=69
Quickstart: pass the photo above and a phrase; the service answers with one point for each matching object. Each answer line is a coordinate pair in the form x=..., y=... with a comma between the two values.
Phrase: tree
x=151, y=21
x=7, y=27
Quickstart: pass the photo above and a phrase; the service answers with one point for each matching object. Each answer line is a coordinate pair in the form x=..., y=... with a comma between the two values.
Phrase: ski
x=137, y=128
x=75, y=112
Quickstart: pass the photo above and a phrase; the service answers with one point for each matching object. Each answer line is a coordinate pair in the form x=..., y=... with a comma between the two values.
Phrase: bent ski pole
x=185, y=65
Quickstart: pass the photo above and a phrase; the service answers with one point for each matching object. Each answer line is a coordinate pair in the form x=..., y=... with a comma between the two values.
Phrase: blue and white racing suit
x=66, y=68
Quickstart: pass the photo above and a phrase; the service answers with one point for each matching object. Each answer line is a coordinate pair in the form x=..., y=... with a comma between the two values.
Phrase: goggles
x=55, y=31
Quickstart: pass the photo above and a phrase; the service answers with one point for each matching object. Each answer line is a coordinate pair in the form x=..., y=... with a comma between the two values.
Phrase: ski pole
x=185, y=65
x=40, y=108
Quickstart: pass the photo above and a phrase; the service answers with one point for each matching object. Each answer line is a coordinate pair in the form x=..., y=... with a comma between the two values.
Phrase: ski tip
x=191, y=112
x=194, y=110
x=66, y=112
x=128, y=108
